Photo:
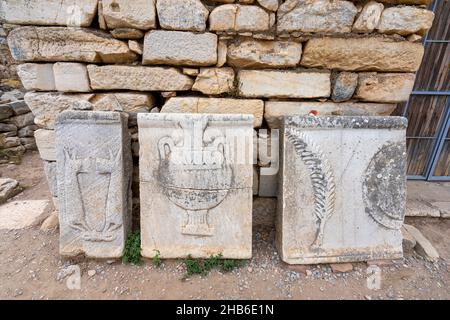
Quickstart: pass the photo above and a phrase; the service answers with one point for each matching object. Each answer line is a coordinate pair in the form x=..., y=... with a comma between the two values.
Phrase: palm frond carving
x=322, y=179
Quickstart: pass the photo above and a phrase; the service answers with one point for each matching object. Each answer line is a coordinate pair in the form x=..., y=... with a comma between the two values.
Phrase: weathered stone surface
x=221, y=53
x=49, y=12
x=188, y=15
x=67, y=44
x=94, y=183
x=7, y=127
x=409, y=242
x=123, y=101
x=8, y=189
x=275, y=111
x=19, y=107
x=136, y=47
x=8, y=142
x=406, y=1
x=284, y=84
x=423, y=245
x=138, y=78
x=216, y=105
x=29, y=143
x=329, y=214
x=418, y=208
x=45, y=141
x=235, y=17
x=46, y=106
x=51, y=175
x=264, y=54
x=127, y=33
x=371, y=54
x=51, y=223
x=214, y=80
x=385, y=87
x=36, y=76
x=443, y=207
x=369, y=17
x=316, y=16
x=271, y=5
x=344, y=85
x=180, y=48
x=71, y=77
x=5, y=111
x=27, y=131
x=22, y=120
x=196, y=193
x=405, y=20
x=22, y=214
x=139, y=14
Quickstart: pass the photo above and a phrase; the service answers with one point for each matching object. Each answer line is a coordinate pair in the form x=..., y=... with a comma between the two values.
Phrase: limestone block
x=138, y=78
x=385, y=87
x=328, y=213
x=264, y=54
x=180, y=48
x=271, y=5
x=49, y=12
x=216, y=105
x=344, y=86
x=284, y=84
x=38, y=77
x=67, y=44
x=371, y=54
x=275, y=111
x=316, y=16
x=51, y=175
x=196, y=185
x=188, y=15
x=136, y=47
x=139, y=14
x=8, y=189
x=423, y=246
x=235, y=17
x=94, y=170
x=71, y=77
x=214, y=80
x=45, y=141
x=5, y=112
x=17, y=215
x=405, y=20
x=22, y=120
x=418, y=2
x=369, y=17
x=127, y=33
x=46, y=106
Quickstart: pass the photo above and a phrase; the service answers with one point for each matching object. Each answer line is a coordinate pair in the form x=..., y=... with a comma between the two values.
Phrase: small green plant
x=156, y=260
x=202, y=267
x=193, y=266
x=230, y=265
x=212, y=262
x=132, y=253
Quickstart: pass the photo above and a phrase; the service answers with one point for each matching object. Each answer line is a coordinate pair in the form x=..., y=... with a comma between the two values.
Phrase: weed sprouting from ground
x=132, y=253
x=203, y=266
x=156, y=260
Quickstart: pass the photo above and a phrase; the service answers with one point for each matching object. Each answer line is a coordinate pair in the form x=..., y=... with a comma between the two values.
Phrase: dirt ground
x=30, y=267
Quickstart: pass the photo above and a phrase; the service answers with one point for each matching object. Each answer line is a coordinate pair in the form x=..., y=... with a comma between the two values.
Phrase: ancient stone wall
x=268, y=58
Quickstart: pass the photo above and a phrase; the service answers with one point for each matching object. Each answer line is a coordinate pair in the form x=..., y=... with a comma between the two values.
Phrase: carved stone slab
x=342, y=189
x=196, y=184
x=94, y=183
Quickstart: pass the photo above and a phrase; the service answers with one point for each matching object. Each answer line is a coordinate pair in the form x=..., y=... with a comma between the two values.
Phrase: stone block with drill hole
x=94, y=169
x=342, y=189
x=196, y=185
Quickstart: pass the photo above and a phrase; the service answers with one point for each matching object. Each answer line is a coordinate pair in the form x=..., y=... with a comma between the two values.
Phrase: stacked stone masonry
x=267, y=58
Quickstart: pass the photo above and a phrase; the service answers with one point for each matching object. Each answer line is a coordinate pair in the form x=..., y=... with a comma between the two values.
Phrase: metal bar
x=444, y=126
x=431, y=93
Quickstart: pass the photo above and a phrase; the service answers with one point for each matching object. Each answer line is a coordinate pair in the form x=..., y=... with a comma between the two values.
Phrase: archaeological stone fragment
x=196, y=185
x=94, y=171
x=342, y=189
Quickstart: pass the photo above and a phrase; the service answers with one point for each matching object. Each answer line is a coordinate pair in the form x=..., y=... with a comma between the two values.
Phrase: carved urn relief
x=194, y=172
